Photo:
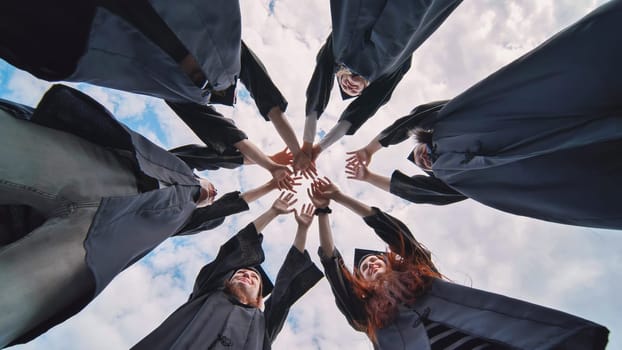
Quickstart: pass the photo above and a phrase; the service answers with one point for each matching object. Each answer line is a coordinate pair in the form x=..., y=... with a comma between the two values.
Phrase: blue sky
x=576, y=270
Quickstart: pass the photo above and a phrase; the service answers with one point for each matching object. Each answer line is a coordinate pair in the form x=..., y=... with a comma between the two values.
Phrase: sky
x=572, y=269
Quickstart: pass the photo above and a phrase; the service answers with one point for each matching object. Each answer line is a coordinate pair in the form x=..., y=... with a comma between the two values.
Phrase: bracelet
x=319, y=211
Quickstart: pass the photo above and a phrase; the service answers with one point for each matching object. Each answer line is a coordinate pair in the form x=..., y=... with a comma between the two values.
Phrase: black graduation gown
x=212, y=319
x=448, y=314
x=115, y=44
x=126, y=228
x=375, y=39
x=542, y=136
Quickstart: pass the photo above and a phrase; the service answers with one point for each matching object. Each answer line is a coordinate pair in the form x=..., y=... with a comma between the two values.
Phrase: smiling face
x=248, y=282
x=351, y=84
x=422, y=158
x=208, y=193
x=372, y=266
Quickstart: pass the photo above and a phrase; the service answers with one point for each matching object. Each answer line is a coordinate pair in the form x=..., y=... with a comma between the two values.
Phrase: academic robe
x=126, y=228
x=540, y=138
x=451, y=316
x=213, y=319
x=136, y=47
x=374, y=39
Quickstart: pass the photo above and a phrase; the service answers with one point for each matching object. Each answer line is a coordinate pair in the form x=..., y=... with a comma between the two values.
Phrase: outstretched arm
x=358, y=171
x=326, y=188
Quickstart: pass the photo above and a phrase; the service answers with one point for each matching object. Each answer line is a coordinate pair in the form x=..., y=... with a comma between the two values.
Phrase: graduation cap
x=266, y=284
x=361, y=254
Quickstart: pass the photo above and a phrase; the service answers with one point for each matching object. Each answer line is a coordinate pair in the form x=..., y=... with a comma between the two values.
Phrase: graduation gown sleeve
x=423, y=189
x=399, y=238
x=322, y=80
x=262, y=89
x=296, y=276
x=242, y=250
x=401, y=129
x=347, y=302
x=216, y=131
x=206, y=158
x=214, y=215
x=376, y=95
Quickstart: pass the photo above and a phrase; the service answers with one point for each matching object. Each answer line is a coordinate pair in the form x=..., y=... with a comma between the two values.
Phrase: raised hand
x=283, y=204
x=283, y=177
x=318, y=200
x=362, y=155
x=326, y=188
x=284, y=157
x=357, y=170
x=305, y=218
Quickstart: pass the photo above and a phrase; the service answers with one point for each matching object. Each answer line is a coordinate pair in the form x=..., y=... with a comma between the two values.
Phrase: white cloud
x=572, y=269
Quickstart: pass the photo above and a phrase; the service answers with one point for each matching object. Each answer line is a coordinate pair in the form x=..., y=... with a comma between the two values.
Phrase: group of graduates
x=83, y=197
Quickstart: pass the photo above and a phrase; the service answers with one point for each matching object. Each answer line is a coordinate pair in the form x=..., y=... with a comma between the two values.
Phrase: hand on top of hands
x=303, y=162
x=284, y=157
x=283, y=178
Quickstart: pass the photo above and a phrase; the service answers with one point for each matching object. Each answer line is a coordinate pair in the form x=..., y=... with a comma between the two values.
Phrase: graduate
x=400, y=300
x=541, y=137
x=82, y=197
x=226, y=307
x=189, y=54
x=368, y=52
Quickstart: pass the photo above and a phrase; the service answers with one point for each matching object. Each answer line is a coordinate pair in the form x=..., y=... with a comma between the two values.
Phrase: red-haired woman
x=399, y=299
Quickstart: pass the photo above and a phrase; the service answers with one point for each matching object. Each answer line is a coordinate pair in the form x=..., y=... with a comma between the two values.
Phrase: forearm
x=382, y=182
x=264, y=219
x=284, y=128
x=256, y=193
x=301, y=238
x=326, y=236
x=254, y=154
x=374, y=145
x=354, y=205
x=336, y=133
x=310, y=128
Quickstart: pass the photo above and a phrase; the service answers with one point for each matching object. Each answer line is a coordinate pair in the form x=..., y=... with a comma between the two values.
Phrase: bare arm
x=359, y=171
x=284, y=128
x=256, y=193
x=329, y=190
x=280, y=206
x=304, y=220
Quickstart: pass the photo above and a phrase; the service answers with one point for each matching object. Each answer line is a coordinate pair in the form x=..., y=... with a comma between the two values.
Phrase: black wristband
x=319, y=211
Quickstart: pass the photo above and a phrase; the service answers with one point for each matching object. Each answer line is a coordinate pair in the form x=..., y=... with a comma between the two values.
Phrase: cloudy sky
x=576, y=270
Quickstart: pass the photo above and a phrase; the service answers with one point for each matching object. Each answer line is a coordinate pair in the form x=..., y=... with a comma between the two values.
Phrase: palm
x=357, y=171
x=305, y=217
x=284, y=157
x=318, y=200
x=282, y=205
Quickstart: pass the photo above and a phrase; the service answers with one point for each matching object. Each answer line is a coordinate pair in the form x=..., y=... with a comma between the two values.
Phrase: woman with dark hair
x=399, y=299
x=368, y=52
x=540, y=138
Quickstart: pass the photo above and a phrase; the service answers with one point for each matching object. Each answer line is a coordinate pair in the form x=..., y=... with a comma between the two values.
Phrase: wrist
x=322, y=211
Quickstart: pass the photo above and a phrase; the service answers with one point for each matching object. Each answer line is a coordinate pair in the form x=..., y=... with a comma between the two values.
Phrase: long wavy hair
x=407, y=277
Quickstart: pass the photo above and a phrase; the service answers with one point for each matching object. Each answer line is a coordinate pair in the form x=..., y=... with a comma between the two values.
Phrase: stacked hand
x=283, y=178
x=284, y=157
x=304, y=162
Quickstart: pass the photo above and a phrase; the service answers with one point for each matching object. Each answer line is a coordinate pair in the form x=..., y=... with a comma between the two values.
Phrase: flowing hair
x=407, y=277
